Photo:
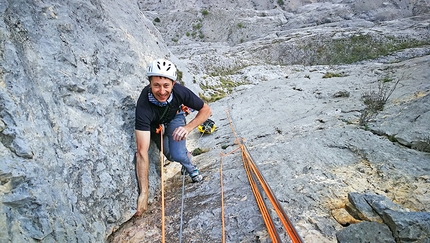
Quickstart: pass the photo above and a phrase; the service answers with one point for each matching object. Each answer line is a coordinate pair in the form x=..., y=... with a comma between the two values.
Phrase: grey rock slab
x=408, y=226
x=71, y=72
x=364, y=209
x=365, y=232
x=380, y=203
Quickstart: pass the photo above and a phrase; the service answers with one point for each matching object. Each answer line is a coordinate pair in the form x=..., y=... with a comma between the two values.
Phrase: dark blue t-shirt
x=149, y=115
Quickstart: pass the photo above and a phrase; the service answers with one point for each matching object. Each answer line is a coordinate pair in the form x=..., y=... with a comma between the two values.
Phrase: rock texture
x=311, y=150
x=71, y=72
x=70, y=75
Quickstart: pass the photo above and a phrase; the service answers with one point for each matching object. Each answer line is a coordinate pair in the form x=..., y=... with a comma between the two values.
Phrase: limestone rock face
x=335, y=179
x=70, y=74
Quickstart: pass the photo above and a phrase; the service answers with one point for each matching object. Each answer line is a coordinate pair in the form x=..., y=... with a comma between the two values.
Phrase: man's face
x=161, y=87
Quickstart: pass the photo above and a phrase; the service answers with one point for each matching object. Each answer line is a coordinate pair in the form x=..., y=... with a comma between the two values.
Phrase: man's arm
x=204, y=113
x=143, y=139
x=181, y=132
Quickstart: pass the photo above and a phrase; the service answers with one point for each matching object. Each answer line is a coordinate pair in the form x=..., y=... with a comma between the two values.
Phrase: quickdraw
x=207, y=127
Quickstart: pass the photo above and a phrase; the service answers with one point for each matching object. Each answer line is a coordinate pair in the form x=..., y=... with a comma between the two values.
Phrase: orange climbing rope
x=294, y=236
x=222, y=203
x=258, y=197
x=160, y=130
x=254, y=175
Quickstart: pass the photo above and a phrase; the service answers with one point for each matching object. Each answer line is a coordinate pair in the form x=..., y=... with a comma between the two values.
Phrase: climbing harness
x=255, y=176
x=187, y=110
x=160, y=131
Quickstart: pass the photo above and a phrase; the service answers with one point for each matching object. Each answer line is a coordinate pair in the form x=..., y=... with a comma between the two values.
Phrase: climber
x=161, y=102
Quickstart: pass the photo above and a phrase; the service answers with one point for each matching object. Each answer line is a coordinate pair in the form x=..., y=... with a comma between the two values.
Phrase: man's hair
x=150, y=77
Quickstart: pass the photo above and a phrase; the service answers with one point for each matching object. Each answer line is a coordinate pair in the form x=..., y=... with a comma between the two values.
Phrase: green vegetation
x=280, y=2
x=240, y=25
x=220, y=90
x=213, y=98
x=199, y=151
x=225, y=85
x=197, y=32
x=333, y=75
x=157, y=20
x=353, y=49
x=375, y=101
x=179, y=75
x=197, y=26
x=205, y=12
x=222, y=71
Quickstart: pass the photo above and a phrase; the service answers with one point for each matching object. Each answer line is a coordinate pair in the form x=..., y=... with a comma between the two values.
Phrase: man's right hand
x=142, y=205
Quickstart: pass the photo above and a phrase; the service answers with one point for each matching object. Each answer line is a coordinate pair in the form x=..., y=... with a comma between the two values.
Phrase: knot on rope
x=160, y=129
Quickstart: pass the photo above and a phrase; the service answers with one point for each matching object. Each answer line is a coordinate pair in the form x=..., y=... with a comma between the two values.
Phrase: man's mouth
x=163, y=97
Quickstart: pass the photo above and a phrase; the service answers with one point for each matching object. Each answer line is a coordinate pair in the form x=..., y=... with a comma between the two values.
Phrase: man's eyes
x=165, y=86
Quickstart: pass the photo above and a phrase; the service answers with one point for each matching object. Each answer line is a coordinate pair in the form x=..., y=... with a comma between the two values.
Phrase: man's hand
x=142, y=205
x=180, y=133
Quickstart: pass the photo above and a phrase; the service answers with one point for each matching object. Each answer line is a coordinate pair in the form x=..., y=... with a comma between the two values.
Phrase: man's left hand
x=180, y=133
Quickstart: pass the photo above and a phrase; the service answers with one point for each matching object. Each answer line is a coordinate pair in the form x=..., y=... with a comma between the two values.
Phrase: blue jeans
x=177, y=150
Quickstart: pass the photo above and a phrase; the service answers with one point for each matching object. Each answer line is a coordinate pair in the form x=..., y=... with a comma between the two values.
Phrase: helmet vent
x=163, y=68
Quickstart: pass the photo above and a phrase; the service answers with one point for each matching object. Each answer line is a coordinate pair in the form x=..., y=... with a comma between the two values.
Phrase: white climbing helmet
x=163, y=68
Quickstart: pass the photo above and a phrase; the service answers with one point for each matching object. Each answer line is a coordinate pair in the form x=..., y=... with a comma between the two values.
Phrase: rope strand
x=160, y=130
x=182, y=206
x=222, y=201
x=254, y=174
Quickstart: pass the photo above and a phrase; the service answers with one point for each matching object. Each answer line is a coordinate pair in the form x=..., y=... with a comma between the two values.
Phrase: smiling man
x=161, y=103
